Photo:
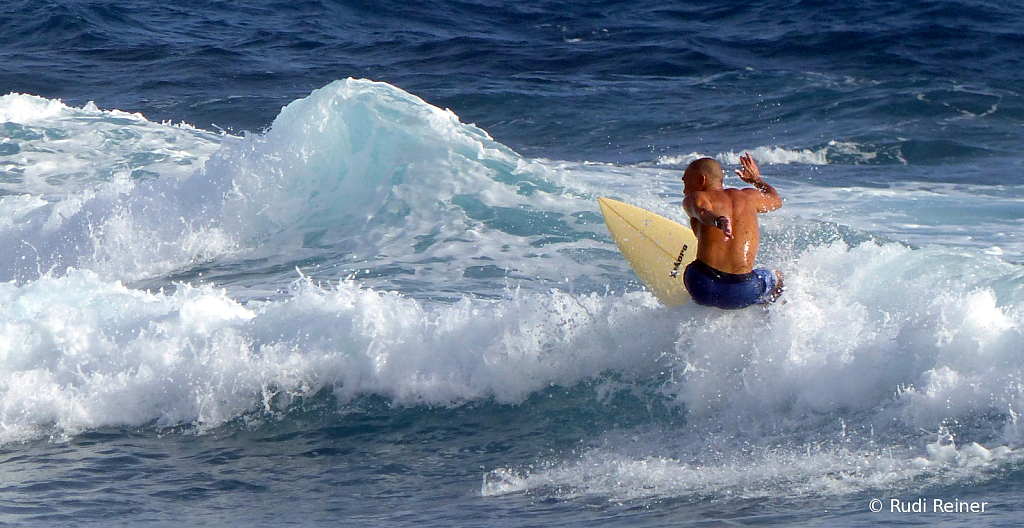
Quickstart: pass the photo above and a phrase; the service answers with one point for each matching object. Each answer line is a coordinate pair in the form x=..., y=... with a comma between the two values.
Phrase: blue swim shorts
x=710, y=287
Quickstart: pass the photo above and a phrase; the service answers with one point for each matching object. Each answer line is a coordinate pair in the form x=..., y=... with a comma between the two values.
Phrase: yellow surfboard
x=657, y=248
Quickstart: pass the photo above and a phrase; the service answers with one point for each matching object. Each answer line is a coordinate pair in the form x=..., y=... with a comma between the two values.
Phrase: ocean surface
x=314, y=262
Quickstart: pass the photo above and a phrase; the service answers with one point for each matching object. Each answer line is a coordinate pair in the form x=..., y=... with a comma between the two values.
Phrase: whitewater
x=370, y=245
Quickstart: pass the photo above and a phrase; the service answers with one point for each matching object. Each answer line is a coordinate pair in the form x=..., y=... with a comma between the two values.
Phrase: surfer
x=728, y=236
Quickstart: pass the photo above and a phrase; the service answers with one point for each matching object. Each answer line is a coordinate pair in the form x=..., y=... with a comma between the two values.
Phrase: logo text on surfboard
x=679, y=261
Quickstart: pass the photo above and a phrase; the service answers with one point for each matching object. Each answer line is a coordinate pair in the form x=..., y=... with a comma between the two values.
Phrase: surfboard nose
x=656, y=248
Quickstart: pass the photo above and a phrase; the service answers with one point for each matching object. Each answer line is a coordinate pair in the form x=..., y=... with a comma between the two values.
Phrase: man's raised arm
x=769, y=197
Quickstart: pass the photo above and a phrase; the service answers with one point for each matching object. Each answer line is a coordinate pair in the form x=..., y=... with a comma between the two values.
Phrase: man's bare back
x=725, y=220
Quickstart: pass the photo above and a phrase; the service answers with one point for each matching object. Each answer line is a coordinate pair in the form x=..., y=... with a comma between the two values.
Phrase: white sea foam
x=357, y=167
x=19, y=108
x=51, y=148
x=766, y=155
x=77, y=352
x=937, y=334
x=844, y=151
x=762, y=472
x=983, y=218
x=777, y=156
x=830, y=392
x=877, y=336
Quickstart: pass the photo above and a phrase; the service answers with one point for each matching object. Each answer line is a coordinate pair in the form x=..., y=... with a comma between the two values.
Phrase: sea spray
x=849, y=384
x=438, y=268
x=81, y=353
x=358, y=170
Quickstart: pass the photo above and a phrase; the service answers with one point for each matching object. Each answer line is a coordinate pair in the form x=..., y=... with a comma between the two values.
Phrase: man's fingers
x=726, y=227
x=750, y=170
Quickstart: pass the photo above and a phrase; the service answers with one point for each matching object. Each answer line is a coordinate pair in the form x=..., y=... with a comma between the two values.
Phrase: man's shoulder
x=751, y=196
x=744, y=193
x=736, y=194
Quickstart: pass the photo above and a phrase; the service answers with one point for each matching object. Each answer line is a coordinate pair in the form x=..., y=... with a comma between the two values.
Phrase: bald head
x=703, y=174
x=707, y=167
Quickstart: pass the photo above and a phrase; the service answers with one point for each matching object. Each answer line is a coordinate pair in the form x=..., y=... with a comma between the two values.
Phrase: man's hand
x=769, y=199
x=750, y=173
x=725, y=224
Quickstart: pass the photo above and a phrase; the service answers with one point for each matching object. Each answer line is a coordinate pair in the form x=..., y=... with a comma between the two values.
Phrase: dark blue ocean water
x=606, y=81
x=307, y=262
